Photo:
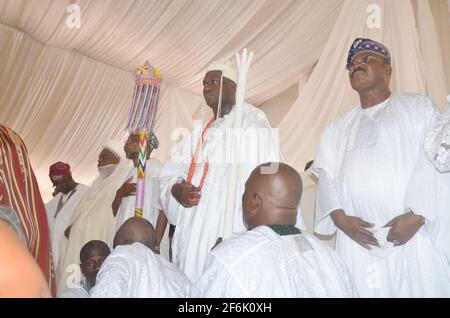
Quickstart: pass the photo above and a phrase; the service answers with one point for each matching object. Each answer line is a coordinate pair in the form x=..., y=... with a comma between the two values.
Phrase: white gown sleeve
x=437, y=143
x=174, y=170
x=154, y=184
x=112, y=279
x=327, y=200
x=427, y=195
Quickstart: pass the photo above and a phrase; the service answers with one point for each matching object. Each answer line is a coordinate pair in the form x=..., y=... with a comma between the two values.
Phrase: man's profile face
x=107, y=157
x=368, y=71
x=131, y=147
x=63, y=185
x=92, y=264
x=211, y=88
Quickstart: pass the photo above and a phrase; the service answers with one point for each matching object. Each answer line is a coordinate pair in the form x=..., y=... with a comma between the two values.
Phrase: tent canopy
x=66, y=89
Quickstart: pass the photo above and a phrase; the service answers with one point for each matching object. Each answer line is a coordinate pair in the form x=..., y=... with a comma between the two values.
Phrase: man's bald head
x=272, y=198
x=136, y=229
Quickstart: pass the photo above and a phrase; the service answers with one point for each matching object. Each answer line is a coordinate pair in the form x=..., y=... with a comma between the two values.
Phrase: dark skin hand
x=186, y=194
x=355, y=228
x=127, y=189
x=404, y=227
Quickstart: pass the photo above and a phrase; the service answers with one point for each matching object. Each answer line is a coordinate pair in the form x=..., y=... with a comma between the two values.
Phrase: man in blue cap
x=380, y=225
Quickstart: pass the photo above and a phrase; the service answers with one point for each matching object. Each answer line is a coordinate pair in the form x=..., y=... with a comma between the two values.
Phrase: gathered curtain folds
x=66, y=91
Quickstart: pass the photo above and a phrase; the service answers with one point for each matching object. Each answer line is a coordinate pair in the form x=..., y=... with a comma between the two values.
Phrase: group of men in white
x=392, y=237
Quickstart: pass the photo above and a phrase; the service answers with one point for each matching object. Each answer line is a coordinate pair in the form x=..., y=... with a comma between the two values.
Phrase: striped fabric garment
x=20, y=191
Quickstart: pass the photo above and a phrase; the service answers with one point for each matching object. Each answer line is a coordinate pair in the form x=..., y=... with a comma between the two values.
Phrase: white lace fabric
x=437, y=142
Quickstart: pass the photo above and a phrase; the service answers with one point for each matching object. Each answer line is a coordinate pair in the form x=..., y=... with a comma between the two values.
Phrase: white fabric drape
x=429, y=46
x=68, y=90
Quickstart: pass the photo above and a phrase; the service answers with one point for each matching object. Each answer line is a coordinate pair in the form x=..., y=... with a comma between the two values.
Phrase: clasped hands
x=403, y=228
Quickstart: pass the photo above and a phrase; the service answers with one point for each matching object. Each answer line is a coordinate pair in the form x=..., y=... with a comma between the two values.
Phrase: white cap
x=227, y=70
x=115, y=147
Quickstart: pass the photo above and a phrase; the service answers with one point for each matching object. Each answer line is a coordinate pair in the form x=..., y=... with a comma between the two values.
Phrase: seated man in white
x=134, y=270
x=273, y=259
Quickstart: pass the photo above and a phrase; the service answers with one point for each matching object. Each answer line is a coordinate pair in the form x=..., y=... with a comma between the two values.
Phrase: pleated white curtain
x=66, y=105
x=67, y=90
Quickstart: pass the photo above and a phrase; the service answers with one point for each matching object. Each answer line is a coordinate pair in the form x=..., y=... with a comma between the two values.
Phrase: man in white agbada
x=133, y=270
x=273, y=259
x=93, y=220
x=91, y=256
x=436, y=172
x=194, y=181
x=125, y=199
x=366, y=164
x=61, y=208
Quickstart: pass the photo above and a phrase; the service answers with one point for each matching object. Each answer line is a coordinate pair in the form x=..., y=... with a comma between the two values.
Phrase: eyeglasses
x=368, y=59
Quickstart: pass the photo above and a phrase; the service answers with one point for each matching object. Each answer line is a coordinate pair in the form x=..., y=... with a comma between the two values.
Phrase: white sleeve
x=427, y=195
x=112, y=280
x=437, y=143
x=421, y=192
x=155, y=190
x=328, y=199
x=174, y=170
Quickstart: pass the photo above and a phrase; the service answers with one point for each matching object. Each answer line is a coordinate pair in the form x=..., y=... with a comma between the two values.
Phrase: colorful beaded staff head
x=141, y=120
x=144, y=104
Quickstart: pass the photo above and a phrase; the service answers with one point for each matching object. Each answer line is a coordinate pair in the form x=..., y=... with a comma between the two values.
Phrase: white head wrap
x=115, y=147
x=227, y=71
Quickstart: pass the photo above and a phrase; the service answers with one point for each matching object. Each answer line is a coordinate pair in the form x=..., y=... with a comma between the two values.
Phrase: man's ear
x=255, y=202
x=231, y=84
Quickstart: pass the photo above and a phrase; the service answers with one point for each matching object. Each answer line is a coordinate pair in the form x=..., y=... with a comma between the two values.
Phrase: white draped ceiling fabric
x=66, y=90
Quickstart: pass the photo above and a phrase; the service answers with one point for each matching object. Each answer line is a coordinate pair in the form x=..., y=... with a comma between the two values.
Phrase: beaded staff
x=141, y=119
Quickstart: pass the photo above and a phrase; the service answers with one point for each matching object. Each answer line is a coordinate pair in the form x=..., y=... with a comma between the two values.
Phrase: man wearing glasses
x=365, y=162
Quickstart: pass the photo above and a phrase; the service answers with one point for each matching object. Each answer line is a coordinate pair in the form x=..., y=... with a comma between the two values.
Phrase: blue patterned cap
x=152, y=141
x=361, y=45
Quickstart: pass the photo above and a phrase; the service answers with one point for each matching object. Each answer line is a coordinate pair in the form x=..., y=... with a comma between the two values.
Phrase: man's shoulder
x=255, y=117
x=127, y=256
x=246, y=243
x=81, y=187
x=155, y=166
x=172, y=271
x=53, y=200
x=154, y=162
x=412, y=98
x=415, y=106
x=316, y=244
x=132, y=249
x=340, y=122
